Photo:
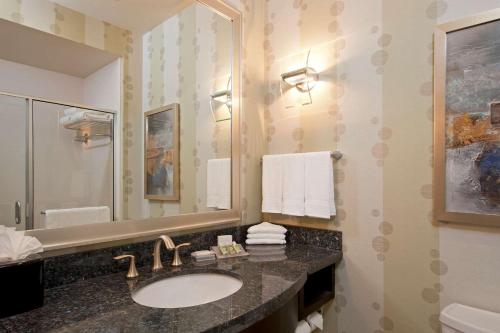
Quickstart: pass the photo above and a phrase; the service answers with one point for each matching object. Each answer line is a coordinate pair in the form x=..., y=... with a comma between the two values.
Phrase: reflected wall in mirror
x=73, y=117
x=186, y=59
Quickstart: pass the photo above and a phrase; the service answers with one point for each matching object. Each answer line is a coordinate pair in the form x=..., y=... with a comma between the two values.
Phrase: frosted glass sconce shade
x=297, y=79
x=303, y=79
x=220, y=105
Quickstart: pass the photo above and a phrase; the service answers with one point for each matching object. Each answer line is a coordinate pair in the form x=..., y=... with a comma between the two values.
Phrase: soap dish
x=219, y=254
x=201, y=256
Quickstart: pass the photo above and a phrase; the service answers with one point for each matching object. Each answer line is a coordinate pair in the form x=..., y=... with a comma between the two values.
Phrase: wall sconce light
x=297, y=84
x=223, y=97
x=219, y=99
x=303, y=79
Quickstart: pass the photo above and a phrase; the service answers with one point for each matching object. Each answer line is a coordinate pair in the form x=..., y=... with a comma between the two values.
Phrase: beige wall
x=375, y=105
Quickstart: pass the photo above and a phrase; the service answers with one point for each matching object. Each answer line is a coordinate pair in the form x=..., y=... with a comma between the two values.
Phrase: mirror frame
x=82, y=238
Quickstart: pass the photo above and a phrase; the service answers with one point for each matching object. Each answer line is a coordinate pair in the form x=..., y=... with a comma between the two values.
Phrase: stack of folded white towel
x=74, y=116
x=266, y=233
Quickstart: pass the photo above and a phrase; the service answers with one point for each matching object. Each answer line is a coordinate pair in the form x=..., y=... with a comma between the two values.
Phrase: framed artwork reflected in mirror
x=161, y=154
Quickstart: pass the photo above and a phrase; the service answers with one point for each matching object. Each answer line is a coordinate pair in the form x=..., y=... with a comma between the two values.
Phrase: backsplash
x=74, y=267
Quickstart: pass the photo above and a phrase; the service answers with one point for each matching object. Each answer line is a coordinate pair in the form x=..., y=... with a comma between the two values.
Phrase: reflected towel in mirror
x=59, y=218
x=219, y=183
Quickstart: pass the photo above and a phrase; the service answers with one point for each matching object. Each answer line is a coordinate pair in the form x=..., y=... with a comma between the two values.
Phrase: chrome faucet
x=169, y=244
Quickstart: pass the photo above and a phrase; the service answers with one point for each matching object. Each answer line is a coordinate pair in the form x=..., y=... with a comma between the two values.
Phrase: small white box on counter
x=224, y=240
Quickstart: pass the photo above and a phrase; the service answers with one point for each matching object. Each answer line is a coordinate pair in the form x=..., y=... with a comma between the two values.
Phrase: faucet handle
x=177, y=259
x=132, y=270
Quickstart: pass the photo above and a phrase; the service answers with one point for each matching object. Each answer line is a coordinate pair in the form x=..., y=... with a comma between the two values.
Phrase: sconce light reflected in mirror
x=220, y=104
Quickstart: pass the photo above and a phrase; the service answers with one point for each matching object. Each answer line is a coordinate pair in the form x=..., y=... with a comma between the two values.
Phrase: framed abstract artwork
x=161, y=154
x=467, y=120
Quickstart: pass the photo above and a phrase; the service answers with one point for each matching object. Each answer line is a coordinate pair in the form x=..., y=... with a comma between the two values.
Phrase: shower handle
x=17, y=212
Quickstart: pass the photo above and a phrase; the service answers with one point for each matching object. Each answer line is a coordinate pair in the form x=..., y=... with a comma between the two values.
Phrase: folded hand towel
x=266, y=228
x=269, y=236
x=293, y=185
x=74, y=119
x=319, y=198
x=272, y=191
x=265, y=241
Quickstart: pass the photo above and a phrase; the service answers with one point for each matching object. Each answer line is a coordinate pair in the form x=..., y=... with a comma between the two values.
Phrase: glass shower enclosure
x=53, y=156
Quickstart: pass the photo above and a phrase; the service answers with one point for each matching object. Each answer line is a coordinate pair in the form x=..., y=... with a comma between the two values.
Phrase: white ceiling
x=135, y=15
x=43, y=50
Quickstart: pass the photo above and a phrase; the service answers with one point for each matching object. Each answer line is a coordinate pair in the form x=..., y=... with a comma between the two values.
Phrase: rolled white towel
x=267, y=228
x=251, y=241
x=268, y=236
x=303, y=327
x=315, y=320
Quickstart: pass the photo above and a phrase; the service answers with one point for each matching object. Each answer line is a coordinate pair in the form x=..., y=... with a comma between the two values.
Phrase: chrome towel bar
x=336, y=155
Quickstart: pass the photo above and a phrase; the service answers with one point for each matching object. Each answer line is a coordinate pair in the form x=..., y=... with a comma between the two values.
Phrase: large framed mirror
x=123, y=121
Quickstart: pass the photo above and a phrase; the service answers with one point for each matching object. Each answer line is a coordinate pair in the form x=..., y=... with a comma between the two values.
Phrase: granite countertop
x=104, y=304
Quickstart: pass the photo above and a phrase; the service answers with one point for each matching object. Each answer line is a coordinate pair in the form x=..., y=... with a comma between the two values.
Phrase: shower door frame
x=29, y=209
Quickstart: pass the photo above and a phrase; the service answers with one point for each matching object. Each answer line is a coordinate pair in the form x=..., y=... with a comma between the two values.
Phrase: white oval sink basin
x=187, y=290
